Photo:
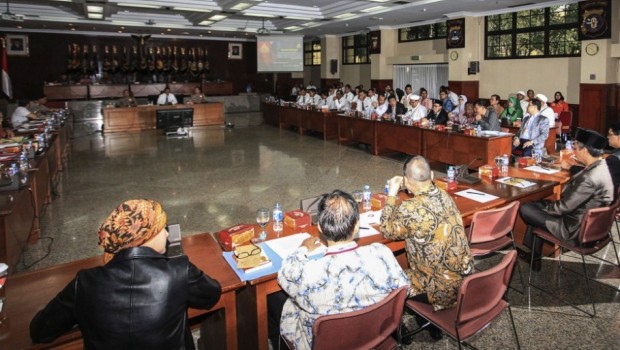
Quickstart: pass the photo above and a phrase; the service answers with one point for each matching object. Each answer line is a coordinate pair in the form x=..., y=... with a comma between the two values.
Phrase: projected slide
x=280, y=53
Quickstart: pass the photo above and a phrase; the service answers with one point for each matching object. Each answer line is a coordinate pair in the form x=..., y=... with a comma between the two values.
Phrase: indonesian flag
x=6, y=80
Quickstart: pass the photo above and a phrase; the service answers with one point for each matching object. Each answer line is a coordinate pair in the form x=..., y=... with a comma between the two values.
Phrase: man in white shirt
x=372, y=95
x=312, y=98
x=523, y=101
x=545, y=110
x=417, y=111
x=454, y=98
x=339, y=102
x=380, y=106
x=311, y=86
x=348, y=94
x=166, y=98
x=301, y=98
x=405, y=99
x=363, y=102
x=21, y=115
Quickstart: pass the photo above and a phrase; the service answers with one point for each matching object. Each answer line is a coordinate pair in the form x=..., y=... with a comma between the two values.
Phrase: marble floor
x=219, y=177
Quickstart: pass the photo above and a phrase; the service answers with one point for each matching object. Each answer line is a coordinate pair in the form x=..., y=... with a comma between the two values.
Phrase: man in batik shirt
x=432, y=227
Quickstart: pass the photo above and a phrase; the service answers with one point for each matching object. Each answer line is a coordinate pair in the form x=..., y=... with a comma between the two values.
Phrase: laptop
x=311, y=206
x=174, y=247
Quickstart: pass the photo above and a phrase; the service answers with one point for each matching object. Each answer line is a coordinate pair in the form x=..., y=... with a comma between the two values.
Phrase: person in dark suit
x=438, y=114
x=486, y=117
x=394, y=108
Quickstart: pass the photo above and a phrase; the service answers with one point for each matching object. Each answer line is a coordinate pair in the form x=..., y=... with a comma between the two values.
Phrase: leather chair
x=480, y=301
x=368, y=328
x=492, y=230
x=594, y=235
x=566, y=119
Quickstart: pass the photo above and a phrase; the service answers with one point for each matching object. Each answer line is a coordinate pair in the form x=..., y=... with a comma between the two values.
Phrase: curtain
x=428, y=76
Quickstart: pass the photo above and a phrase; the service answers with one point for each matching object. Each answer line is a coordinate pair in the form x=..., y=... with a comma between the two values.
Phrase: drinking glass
x=358, y=196
x=262, y=218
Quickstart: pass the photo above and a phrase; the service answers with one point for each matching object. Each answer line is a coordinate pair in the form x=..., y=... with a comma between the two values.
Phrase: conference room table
x=253, y=299
x=27, y=293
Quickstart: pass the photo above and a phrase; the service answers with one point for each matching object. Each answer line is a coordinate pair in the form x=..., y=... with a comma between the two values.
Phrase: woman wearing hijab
x=458, y=113
x=513, y=111
x=559, y=105
x=139, y=298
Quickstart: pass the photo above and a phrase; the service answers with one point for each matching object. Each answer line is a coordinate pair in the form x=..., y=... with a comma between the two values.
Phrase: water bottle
x=538, y=156
x=366, y=197
x=386, y=189
x=505, y=162
x=277, y=218
x=451, y=175
x=569, y=145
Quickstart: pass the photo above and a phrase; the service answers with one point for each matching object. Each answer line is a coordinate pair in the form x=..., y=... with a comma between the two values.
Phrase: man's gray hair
x=417, y=169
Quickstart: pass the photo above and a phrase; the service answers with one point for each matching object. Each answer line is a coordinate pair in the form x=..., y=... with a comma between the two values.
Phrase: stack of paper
x=539, y=169
x=477, y=196
x=284, y=246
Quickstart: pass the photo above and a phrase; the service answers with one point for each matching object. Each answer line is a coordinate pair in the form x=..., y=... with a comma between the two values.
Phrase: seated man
x=533, y=132
x=21, y=115
x=363, y=102
x=486, y=117
x=127, y=100
x=432, y=227
x=417, y=111
x=139, y=298
x=394, y=108
x=590, y=188
x=347, y=278
x=197, y=96
x=380, y=106
x=438, y=114
x=166, y=98
x=339, y=102
x=39, y=106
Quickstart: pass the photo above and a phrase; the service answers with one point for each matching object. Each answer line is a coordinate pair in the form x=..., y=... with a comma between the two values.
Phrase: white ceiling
x=193, y=17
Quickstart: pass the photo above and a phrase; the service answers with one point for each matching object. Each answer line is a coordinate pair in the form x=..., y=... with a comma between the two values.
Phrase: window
x=424, y=32
x=547, y=32
x=312, y=53
x=355, y=49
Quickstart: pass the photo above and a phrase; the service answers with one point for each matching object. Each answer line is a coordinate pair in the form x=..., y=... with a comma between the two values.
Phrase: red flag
x=6, y=80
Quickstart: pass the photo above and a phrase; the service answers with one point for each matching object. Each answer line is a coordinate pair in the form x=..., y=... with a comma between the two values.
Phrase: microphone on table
x=464, y=173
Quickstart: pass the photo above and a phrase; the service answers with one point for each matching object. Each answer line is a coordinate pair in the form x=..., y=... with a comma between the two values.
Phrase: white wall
x=355, y=74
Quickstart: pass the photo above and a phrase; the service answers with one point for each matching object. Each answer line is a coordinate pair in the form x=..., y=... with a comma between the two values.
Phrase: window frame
x=312, y=51
x=360, y=42
x=546, y=28
x=419, y=28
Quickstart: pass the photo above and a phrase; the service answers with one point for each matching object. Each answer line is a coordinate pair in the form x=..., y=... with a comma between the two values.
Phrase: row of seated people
x=138, y=299
x=165, y=98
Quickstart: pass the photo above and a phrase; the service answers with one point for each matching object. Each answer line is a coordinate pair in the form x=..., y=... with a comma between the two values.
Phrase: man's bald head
x=417, y=169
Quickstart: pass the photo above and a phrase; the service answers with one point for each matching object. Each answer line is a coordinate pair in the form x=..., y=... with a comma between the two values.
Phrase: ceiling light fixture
x=374, y=9
x=95, y=9
x=217, y=17
x=241, y=6
x=258, y=14
x=345, y=15
x=205, y=23
x=192, y=9
x=146, y=6
x=95, y=15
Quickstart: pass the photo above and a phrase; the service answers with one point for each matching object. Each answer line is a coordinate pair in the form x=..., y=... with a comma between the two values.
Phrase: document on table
x=284, y=246
x=367, y=219
x=539, y=169
x=513, y=181
x=477, y=196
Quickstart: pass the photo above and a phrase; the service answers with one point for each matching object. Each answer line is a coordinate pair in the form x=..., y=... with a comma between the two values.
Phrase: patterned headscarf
x=132, y=224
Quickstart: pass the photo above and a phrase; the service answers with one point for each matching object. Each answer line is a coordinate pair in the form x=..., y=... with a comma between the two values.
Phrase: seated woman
x=513, y=111
x=347, y=278
x=470, y=113
x=139, y=298
x=458, y=113
x=559, y=105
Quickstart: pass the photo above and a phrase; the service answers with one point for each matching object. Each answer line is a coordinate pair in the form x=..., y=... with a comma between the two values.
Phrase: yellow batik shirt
x=436, y=244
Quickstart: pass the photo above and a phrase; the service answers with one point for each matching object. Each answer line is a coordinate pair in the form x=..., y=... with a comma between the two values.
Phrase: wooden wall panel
x=470, y=88
x=380, y=84
x=597, y=106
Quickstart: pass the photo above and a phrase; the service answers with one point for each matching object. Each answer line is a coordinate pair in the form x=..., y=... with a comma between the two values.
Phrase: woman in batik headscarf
x=139, y=298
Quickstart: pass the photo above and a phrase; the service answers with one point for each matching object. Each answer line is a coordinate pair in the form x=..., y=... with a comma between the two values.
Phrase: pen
x=480, y=194
x=364, y=228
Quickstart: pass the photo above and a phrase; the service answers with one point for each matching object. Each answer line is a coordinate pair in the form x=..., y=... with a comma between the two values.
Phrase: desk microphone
x=464, y=174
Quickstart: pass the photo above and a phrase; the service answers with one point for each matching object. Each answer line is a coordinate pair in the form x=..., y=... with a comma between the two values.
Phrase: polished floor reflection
x=219, y=178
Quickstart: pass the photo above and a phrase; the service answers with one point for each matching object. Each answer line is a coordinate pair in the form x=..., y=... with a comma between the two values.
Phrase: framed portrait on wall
x=17, y=45
x=455, y=33
x=594, y=20
x=374, y=39
x=235, y=51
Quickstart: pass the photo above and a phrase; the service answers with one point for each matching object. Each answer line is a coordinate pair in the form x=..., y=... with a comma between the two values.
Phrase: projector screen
x=280, y=53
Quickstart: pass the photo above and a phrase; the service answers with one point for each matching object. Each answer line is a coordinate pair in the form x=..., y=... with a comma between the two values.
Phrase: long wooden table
x=143, y=117
x=27, y=293
x=253, y=299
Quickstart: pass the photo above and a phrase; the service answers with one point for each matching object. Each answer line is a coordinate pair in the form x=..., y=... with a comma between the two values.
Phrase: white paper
x=284, y=246
x=538, y=169
x=370, y=218
x=366, y=231
x=477, y=196
x=520, y=183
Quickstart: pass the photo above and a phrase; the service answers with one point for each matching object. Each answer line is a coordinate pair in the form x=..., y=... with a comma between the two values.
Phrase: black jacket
x=400, y=109
x=138, y=300
x=440, y=119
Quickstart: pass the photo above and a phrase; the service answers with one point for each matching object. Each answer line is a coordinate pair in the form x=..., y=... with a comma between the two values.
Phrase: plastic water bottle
x=277, y=218
x=386, y=189
x=451, y=175
x=505, y=162
x=569, y=145
x=366, y=197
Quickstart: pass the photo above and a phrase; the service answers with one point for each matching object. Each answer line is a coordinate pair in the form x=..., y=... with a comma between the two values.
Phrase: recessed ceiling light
x=374, y=9
x=241, y=6
x=72, y=28
x=293, y=28
x=299, y=18
x=19, y=27
x=205, y=23
x=258, y=14
x=192, y=9
x=168, y=30
x=96, y=9
x=345, y=15
x=95, y=15
x=125, y=4
x=217, y=17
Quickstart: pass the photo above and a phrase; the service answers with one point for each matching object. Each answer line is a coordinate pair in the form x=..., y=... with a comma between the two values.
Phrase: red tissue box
x=526, y=161
x=377, y=201
x=446, y=185
x=236, y=235
x=297, y=219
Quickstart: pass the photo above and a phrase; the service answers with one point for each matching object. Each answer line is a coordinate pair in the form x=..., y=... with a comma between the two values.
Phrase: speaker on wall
x=474, y=67
x=333, y=66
